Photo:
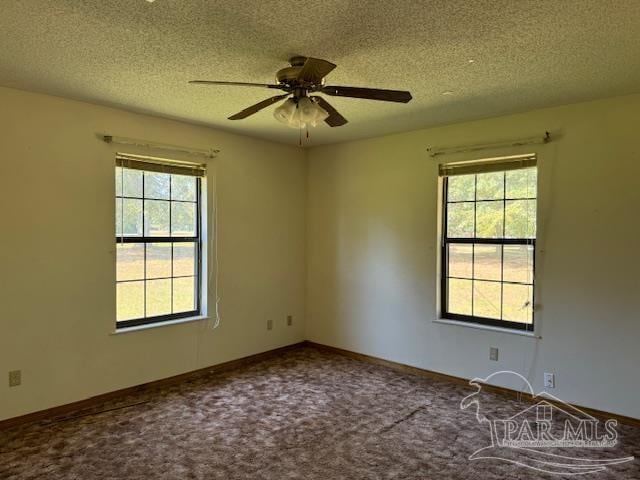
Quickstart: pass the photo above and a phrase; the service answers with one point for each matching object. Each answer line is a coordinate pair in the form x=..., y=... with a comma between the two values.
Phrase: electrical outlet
x=493, y=354
x=289, y=320
x=549, y=380
x=269, y=324
x=15, y=378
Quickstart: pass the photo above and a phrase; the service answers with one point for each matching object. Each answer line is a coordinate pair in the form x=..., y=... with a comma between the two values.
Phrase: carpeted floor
x=307, y=414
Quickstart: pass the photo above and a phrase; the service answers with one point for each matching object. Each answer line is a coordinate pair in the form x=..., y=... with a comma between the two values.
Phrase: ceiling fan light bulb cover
x=285, y=112
x=305, y=107
x=310, y=112
x=298, y=115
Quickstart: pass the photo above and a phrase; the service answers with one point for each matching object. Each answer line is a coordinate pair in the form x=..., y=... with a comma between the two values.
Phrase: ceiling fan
x=306, y=76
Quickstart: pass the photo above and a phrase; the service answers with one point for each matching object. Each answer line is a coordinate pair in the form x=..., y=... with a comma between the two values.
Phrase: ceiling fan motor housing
x=290, y=75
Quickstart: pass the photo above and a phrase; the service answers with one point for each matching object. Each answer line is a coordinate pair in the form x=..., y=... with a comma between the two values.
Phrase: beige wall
x=57, y=299
x=373, y=243
x=369, y=252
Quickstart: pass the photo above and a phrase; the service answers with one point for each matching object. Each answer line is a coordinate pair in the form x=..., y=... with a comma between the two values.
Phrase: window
x=489, y=238
x=158, y=241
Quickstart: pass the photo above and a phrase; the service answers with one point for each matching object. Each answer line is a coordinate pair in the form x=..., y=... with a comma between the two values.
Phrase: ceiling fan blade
x=334, y=119
x=237, y=84
x=315, y=69
x=257, y=107
x=368, y=93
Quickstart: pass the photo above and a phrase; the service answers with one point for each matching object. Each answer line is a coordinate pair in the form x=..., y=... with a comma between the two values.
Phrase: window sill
x=479, y=326
x=149, y=326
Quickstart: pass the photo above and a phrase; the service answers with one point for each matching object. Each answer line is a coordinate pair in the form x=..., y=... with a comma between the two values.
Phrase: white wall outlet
x=15, y=378
x=289, y=320
x=269, y=324
x=493, y=354
x=549, y=380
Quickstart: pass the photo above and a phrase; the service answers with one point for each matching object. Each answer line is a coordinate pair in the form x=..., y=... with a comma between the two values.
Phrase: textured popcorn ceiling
x=140, y=55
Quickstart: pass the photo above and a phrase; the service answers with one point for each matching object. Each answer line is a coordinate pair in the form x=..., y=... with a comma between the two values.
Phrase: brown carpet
x=307, y=414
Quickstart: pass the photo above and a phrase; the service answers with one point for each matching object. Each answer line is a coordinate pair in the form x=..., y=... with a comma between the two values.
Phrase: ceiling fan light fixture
x=300, y=113
x=285, y=112
x=310, y=112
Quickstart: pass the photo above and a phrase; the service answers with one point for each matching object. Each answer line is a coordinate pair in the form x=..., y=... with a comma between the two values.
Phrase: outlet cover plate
x=549, y=380
x=15, y=378
x=493, y=354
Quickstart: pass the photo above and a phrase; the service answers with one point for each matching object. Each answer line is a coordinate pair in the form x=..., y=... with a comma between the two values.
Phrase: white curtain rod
x=211, y=153
x=434, y=151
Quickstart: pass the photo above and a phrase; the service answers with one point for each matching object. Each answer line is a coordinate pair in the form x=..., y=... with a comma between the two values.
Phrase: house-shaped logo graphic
x=529, y=437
